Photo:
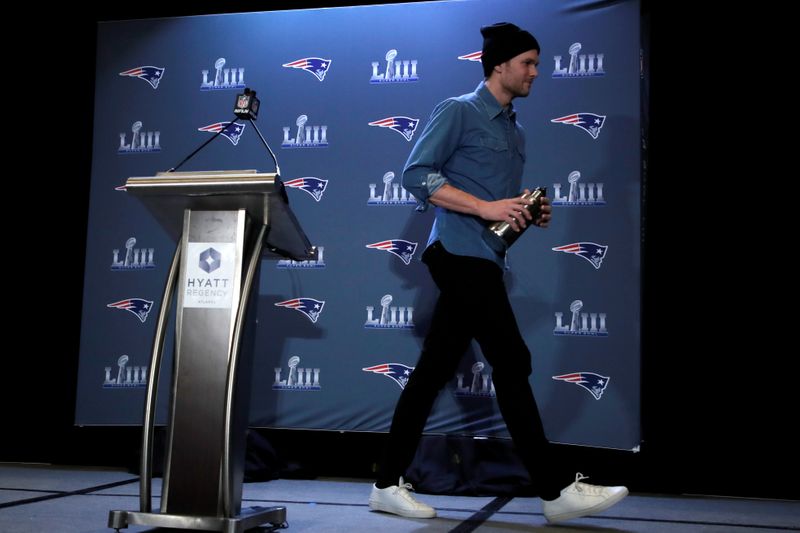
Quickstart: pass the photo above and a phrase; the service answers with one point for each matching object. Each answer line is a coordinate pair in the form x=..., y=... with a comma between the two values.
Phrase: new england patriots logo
x=308, y=306
x=594, y=383
x=151, y=75
x=313, y=186
x=594, y=253
x=402, y=249
x=314, y=65
x=588, y=122
x=405, y=126
x=137, y=306
x=232, y=131
x=397, y=372
x=474, y=56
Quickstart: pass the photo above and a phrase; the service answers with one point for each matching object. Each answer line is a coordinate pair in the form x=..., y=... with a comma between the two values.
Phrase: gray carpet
x=48, y=499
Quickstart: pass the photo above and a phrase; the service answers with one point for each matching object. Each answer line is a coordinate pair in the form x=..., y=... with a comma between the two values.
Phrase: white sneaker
x=582, y=499
x=397, y=500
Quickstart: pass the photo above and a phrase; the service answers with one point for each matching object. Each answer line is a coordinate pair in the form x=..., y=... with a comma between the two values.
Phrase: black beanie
x=502, y=41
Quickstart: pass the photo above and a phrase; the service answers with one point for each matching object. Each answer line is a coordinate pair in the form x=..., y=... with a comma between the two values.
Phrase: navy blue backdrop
x=345, y=92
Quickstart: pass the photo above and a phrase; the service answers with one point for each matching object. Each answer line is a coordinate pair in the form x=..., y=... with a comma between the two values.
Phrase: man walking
x=468, y=163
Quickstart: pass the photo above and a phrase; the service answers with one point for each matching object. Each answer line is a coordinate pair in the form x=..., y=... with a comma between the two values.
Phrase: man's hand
x=545, y=213
x=511, y=210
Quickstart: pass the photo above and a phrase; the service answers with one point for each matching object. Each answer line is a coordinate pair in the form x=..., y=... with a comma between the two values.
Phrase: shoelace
x=403, y=490
x=585, y=487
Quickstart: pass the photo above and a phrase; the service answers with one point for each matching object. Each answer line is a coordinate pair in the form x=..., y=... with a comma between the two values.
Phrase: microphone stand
x=248, y=117
x=264, y=141
x=179, y=165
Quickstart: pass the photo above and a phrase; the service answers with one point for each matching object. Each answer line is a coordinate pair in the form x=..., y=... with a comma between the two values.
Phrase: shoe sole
x=377, y=506
x=599, y=508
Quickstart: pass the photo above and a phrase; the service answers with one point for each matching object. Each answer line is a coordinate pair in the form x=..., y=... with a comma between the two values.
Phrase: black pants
x=473, y=303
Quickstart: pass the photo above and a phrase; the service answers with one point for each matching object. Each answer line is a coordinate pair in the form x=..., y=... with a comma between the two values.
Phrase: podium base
x=250, y=518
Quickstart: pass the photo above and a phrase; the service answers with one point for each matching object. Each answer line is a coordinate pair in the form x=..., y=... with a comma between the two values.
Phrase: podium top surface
x=203, y=183
x=167, y=195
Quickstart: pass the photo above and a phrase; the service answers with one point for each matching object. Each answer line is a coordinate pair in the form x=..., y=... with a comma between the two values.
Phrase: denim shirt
x=472, y=143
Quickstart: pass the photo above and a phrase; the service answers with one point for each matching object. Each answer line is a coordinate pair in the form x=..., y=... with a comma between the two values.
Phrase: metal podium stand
x=222, y=221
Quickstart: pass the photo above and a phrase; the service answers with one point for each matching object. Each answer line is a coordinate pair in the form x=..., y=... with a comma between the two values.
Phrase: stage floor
x=39, y=499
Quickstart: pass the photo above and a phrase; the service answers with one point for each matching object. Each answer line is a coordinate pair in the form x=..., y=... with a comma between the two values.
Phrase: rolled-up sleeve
x=423, y=174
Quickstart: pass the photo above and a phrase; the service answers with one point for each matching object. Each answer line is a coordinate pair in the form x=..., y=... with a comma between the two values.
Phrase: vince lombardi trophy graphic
x=385, y=301
x=476, y=376
x=129, y=244
x=573, y=178
x=301, y=121
x=293, y=362
x=387, y=180
x=218, y=64
x=573, y=58
x=575, y=307
x=390, y=55
x=121, y=362
x=135, y=129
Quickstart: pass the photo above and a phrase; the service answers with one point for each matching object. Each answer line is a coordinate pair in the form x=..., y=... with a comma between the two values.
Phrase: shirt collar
x=490, y=103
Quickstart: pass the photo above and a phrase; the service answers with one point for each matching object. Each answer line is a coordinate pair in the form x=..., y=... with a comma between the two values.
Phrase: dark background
x=718, y=383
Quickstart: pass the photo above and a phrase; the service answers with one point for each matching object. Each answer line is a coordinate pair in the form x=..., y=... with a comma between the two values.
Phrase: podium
x=223, y=222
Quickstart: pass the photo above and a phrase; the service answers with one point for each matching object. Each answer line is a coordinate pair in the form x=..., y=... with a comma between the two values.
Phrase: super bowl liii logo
x=224, y=78
x=578, y=66
x=581, y=324
x=305, y=136
x=393, y=193
x=299, y=379
x=481, y=385
x=392, y=317
x=579, y=194
x=396, y=71
x=134, y=259
x=142, y=142
x=124, y=376
x=319, y=262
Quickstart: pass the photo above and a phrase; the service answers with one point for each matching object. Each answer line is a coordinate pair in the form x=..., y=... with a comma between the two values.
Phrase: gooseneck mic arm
x=263, y=140
x=246, y=109
x=188, y=157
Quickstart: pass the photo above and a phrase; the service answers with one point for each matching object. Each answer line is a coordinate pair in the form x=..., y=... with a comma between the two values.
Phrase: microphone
x=247, y=105
x=246, y=108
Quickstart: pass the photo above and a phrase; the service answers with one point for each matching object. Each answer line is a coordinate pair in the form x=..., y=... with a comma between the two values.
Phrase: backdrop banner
x=345, y=93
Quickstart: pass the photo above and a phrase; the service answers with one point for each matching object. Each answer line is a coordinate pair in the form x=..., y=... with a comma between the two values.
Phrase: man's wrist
x=480, y=207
